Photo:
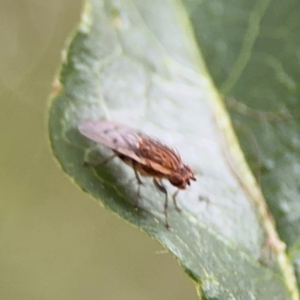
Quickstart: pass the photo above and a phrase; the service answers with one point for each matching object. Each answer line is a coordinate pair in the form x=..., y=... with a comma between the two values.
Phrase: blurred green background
x=55, y=241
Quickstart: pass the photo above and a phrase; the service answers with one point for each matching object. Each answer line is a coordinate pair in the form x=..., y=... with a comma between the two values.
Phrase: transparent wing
x=119, y=138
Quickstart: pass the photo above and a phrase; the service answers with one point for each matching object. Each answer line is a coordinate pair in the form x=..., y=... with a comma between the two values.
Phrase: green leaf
x=254, y=60
x=136, y=63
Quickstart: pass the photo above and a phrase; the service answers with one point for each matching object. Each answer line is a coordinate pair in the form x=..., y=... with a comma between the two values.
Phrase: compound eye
x=177, y=180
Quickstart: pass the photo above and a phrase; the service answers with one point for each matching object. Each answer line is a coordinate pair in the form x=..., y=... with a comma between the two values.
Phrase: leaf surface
x=137, y=63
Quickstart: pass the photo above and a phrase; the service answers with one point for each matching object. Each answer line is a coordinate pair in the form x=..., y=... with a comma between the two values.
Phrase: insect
x=147, y=156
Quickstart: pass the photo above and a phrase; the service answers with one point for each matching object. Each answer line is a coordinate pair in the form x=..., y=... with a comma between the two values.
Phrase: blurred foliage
x=253, y=54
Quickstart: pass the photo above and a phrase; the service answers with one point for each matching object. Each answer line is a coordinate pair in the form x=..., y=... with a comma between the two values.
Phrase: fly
x=147, y=156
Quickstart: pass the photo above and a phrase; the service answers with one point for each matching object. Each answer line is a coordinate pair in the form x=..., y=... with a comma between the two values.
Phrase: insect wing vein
x=121, y=139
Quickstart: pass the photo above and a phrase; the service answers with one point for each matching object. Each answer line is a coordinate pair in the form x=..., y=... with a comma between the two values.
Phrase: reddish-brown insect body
x=147, y=156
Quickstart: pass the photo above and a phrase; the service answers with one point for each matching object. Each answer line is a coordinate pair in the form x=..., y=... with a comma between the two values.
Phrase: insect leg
x=139, y=181
x=98, y=163
x=174, y=200
x=160, y=187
